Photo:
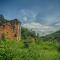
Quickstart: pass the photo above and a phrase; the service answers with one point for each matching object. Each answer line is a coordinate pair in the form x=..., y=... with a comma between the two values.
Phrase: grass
x=42, y=50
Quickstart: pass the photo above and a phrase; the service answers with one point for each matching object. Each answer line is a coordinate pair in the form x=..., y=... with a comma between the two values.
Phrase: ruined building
x=10, y=29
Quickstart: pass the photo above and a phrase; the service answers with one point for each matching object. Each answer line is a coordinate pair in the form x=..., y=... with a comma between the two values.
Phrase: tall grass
x=16, y=50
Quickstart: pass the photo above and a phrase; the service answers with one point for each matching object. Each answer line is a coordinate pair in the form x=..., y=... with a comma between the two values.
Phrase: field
x=20, y=50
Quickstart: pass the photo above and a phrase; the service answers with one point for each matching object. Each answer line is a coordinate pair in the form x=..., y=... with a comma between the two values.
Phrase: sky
x=35, y=12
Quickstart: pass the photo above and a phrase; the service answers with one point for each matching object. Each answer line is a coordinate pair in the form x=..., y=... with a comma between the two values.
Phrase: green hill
x=54, y=36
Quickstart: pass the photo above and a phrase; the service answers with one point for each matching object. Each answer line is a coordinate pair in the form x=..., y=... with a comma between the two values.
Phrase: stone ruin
x=10, y=30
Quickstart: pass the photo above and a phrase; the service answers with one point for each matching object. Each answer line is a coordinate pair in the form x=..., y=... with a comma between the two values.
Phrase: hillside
x=54, y=36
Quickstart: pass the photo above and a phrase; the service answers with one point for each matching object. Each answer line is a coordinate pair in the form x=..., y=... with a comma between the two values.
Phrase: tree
x=2, y=19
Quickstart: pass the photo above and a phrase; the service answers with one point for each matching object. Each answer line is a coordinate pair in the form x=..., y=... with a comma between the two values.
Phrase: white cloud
x=39, y=28
x=26, y=14
x=57, y=24
x=32, y=15
x=32, y=25
x=25, y=18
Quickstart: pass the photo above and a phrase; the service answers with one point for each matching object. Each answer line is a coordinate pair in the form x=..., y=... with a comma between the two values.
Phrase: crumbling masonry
x=10, y=30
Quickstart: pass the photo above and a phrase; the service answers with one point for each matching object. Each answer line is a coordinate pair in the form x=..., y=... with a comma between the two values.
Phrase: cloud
x=26, y=14
x=42, y=23
x=57, y=24
x=32, y=25
x=25, y=18
x=39, y=28
x=34, y=15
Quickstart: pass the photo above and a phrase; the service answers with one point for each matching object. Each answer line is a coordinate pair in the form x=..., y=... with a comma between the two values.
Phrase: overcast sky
x=33, y=12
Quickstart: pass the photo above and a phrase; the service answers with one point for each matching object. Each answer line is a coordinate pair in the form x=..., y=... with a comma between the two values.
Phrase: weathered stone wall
x=10, y=30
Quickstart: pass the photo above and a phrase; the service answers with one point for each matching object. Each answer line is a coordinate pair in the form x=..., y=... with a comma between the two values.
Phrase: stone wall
x=10, y=30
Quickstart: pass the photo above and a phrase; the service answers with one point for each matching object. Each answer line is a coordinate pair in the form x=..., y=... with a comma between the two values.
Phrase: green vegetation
x=16, y=50
x=2, y=19
x=53, y=36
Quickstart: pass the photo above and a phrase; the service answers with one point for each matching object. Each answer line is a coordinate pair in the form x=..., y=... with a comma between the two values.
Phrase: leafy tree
x=2, y=19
